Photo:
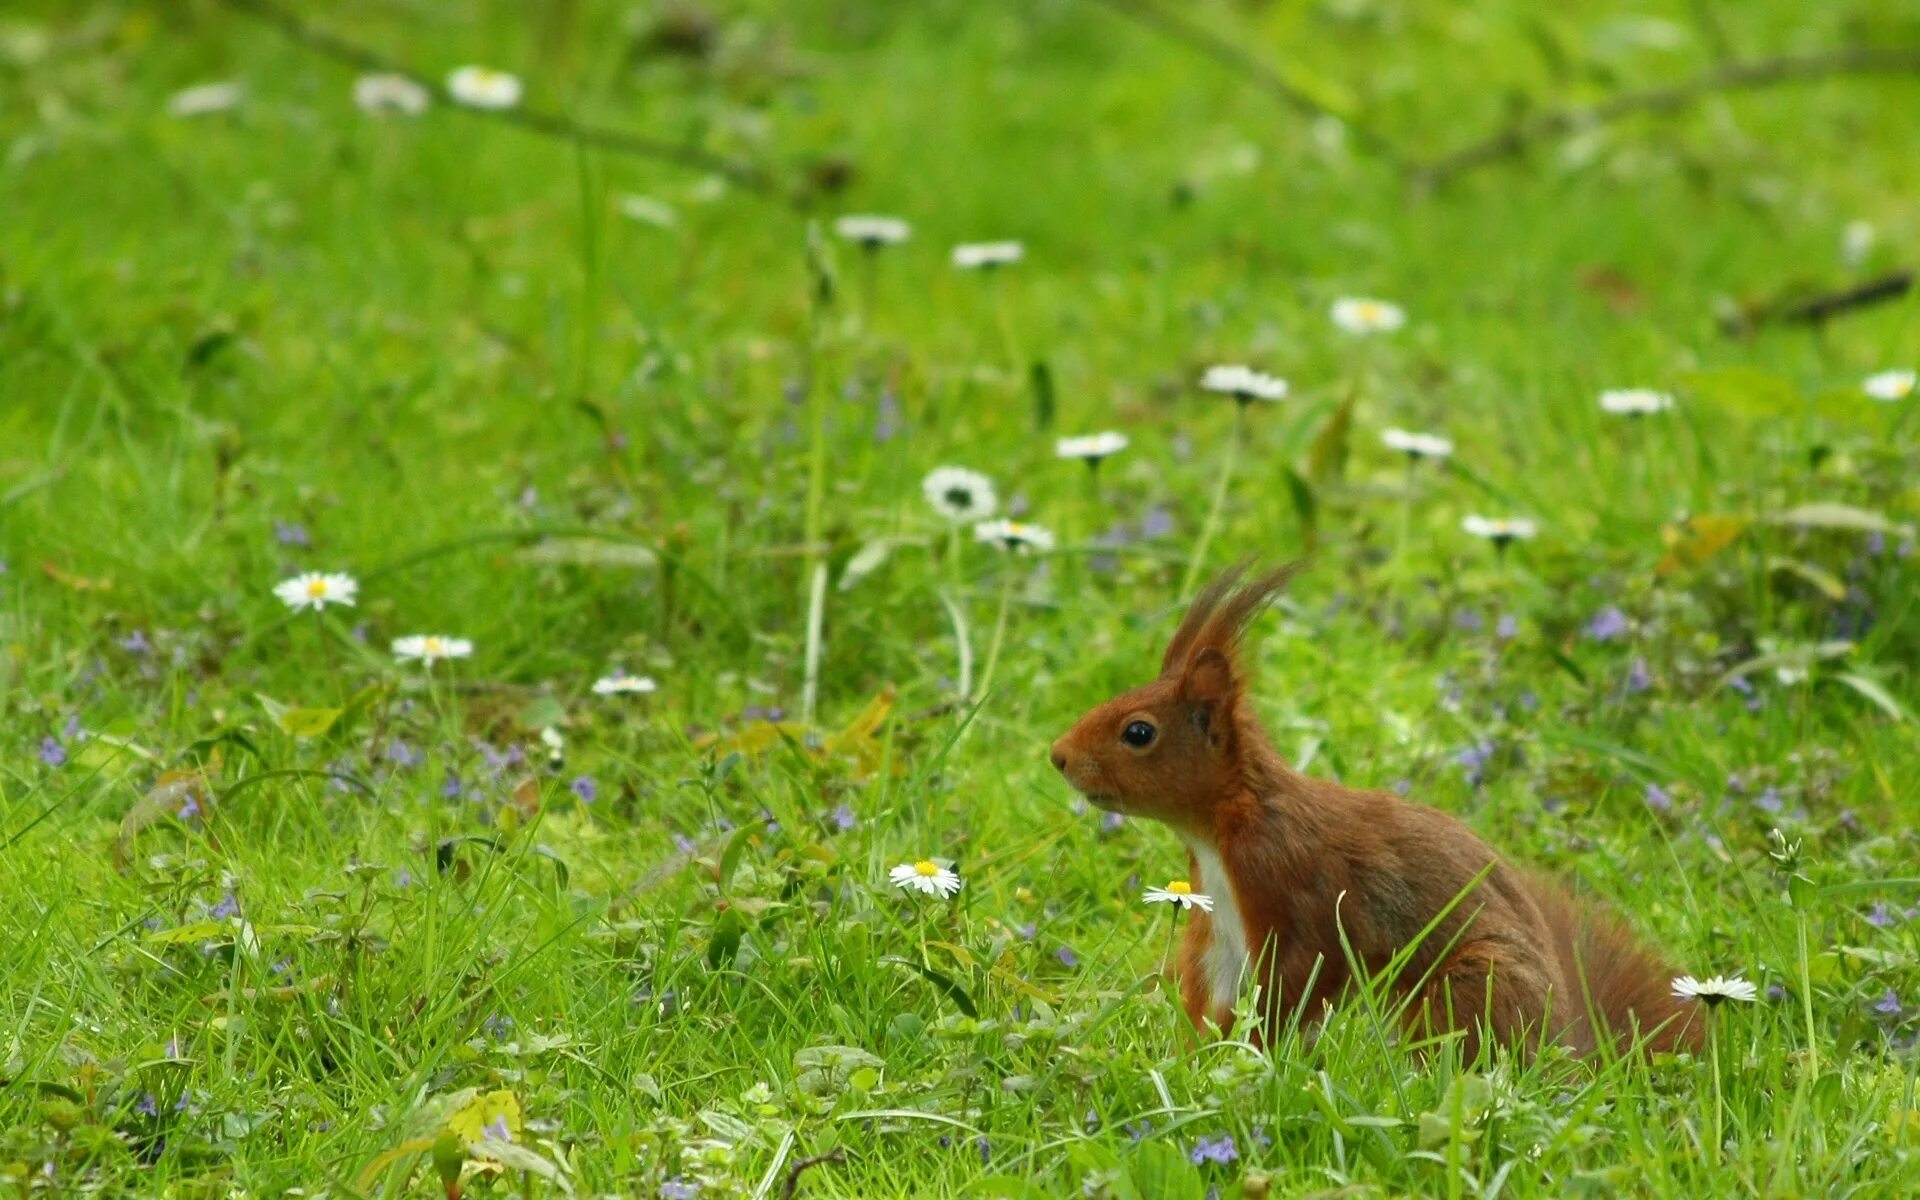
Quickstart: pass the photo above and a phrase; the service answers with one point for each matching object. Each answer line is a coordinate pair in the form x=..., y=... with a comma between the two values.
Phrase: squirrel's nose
x=1059, y=758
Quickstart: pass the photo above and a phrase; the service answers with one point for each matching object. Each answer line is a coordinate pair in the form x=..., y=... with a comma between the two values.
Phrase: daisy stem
x=1713, y=1050
x=1219, y=501
x=1005, y=321
x=326, y=650
x=869, y=285
x=953, y=552
x=1406, y=515
x=999, y=632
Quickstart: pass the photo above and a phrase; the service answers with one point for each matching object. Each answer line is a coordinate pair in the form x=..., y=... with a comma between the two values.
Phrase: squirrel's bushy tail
x=1621, y=991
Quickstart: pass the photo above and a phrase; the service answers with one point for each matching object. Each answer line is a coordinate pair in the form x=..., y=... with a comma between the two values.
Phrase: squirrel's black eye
x=1138, y=733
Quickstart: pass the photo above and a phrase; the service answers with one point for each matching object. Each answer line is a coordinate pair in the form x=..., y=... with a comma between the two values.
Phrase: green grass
x=438, y=345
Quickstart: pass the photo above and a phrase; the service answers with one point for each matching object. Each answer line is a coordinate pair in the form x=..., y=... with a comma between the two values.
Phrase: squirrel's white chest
x=1225, y=961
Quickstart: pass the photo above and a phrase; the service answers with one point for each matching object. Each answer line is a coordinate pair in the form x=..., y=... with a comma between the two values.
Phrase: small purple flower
x=843, y=818
x=52, y=752
x=1638, y=679
x=136, y=643
x=887, y=426
x=228, y=907
x=1881, y=917
x=1221, y=1150
x=679, y=1189
x=1067, y=957
x=684, y=844
x=1018, y=505
x=1138, y=1130
x=451, y=788
x=189, y=809
x=402, y=755
x=1111, y=822
x=402, y=877
x=1027, y=930
x=1607, y=624
x=755, y=712
x=1506, y=627
x=147, y=1106
x=291, y=533
x=1657, y=798
x=1876, y=543
x=986, y=1151
x=498, y=1026
x=1889, y=1004
x=1769, y=800
x=1157, y=523
x=1473, y=761
x=496, y=1129
x=1468, y=620
x=585, y=788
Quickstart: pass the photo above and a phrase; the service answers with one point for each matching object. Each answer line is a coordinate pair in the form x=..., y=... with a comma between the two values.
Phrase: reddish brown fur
x=1516, y=957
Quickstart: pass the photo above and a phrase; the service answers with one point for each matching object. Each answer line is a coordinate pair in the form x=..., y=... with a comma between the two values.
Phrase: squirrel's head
x=1172, y=749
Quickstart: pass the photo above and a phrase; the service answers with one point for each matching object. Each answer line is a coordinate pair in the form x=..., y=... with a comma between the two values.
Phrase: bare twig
x=1733, y=77
x=1232, y=57
x=835, y=1155
x=549, y=124
x=1820, y=307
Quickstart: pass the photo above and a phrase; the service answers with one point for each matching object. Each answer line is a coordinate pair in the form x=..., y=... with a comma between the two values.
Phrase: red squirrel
x=1291, y=862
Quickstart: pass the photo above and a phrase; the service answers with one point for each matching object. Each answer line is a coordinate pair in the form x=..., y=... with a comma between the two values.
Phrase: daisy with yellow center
x=1891, y=385
x=428, y=649
x=1358, y=315
x=484, y=87
x=317, y=589
x=925, y=875
x=1016, y=536
x=1179, y=893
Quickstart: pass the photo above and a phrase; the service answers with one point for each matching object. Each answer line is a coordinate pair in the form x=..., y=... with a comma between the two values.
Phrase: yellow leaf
x=470, y=1122
x=1698, y=540
x=864, y=726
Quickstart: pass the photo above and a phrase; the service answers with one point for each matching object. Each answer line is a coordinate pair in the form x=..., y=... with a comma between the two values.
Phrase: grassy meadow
x=284, y=914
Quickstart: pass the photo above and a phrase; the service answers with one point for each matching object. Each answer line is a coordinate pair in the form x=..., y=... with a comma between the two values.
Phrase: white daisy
x=1180, y=893
x=391, y=93
x=984, y=256
x=1244, y=383
x=206, y=99
x=872, y=231
x=1416, y=445
x=1357, y=315
x=649, y=210
x=1091, y=448
x=484, y=87
x=431, y=648
x=621, y=684
x=1017, y=536
x=925, y=876
x=959, y=494
x=316, y=590
x=1856, y=242
x=1634, y=402
x=1713, y=991
x=1501, y=530
x=1891, y=385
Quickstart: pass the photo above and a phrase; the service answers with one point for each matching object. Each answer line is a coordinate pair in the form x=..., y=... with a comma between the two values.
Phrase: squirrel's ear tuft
x=1221, y=614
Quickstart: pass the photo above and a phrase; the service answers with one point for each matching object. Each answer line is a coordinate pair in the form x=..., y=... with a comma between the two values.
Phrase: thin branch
x=836, y=1155
x=548, y=124
x=1232, y=57
x=1821, y=307
x=1734, y=77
